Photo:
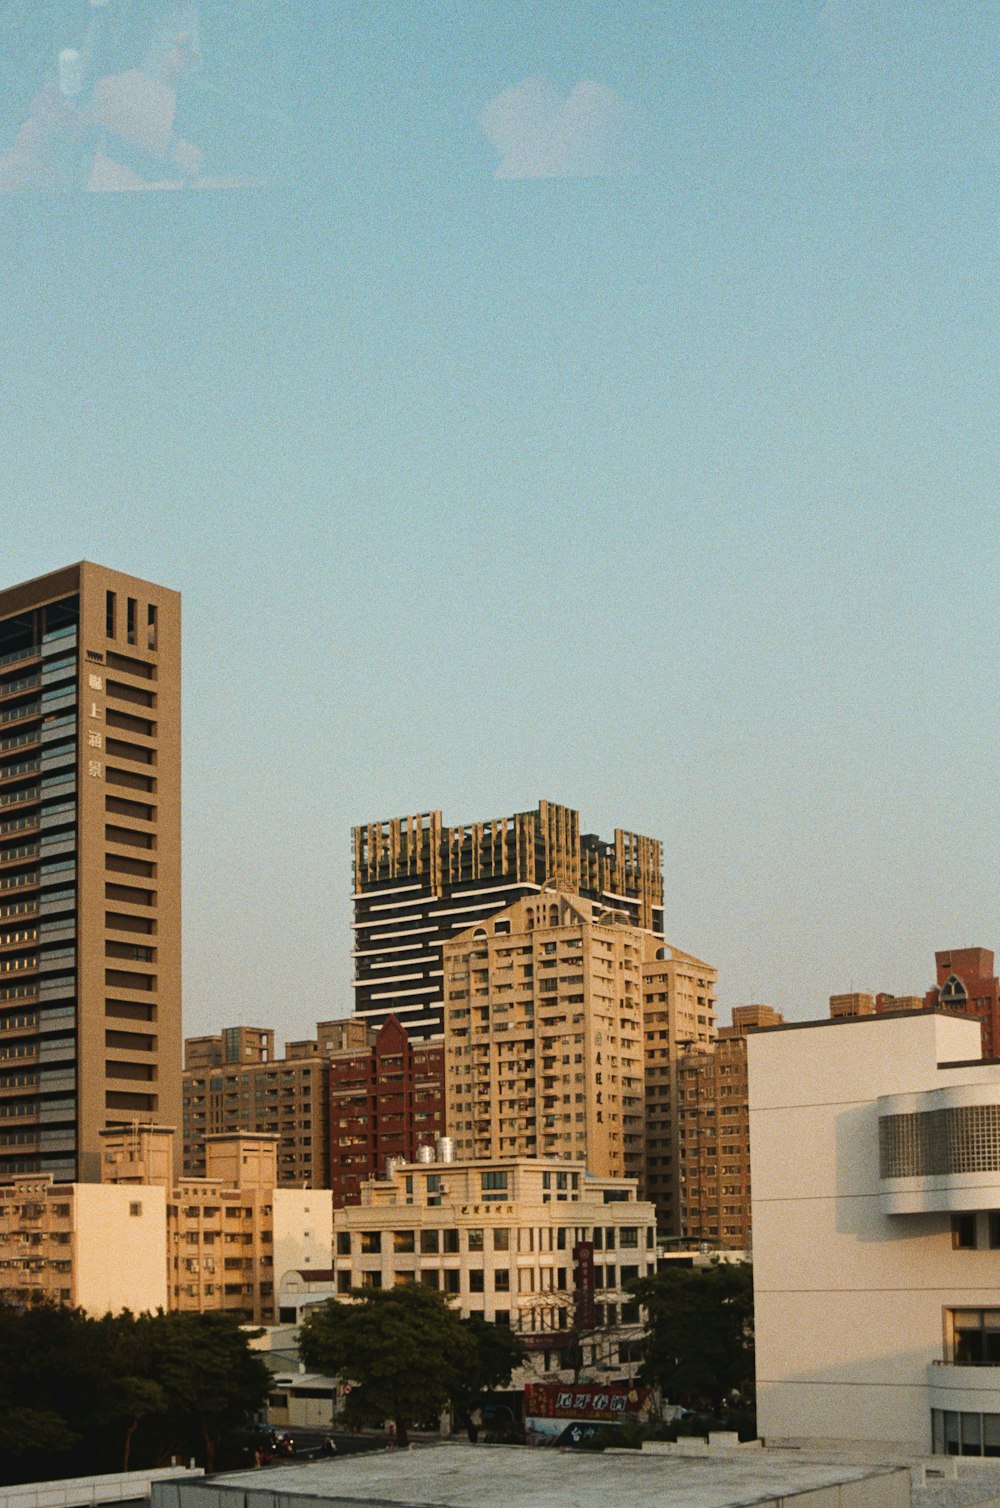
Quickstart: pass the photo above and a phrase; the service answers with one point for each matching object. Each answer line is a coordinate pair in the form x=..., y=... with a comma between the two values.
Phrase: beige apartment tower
x=90, y=925
x=678, y=1016
x=543, y=1035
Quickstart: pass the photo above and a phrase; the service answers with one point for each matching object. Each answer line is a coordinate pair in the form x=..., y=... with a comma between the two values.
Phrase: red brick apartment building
x=966, y=982
x=385, y=1102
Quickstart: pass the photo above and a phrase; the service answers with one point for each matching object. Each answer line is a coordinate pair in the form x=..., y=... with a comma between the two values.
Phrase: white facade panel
x=853, y=1303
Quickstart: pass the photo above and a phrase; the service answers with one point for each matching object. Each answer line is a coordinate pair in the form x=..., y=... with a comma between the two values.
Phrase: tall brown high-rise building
x=678, y=1015
x=418, y=883
x=714, y=1135
x=90, y=865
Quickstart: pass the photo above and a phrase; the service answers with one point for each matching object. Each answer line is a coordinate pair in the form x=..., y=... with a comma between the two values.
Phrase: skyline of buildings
x=233, y=1082
x=514, y=988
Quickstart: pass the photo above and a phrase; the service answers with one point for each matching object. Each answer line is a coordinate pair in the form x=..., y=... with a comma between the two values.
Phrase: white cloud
x=540, y=134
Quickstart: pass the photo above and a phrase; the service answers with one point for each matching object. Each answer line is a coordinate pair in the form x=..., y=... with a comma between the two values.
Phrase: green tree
x=30, y=1437
x=700, y=1339
x=53, y=1390
x=495, y=1354
x=78, y=1395
x=403, y=1349
x=212, y=1382
x=139, y=1398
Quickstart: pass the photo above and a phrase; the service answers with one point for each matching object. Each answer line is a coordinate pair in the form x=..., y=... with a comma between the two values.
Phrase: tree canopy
x=81, y=1395
x=495, y=1354
x=406, y=1354
x=700, y=1342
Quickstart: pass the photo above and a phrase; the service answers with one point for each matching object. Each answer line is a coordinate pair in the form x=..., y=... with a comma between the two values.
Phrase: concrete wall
x=303, y=1230
x=120, y=1258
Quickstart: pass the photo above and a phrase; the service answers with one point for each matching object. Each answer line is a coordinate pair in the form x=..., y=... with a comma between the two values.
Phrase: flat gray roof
x=467, y=1476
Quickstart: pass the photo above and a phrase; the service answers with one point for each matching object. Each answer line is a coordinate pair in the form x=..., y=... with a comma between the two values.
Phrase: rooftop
x=464, y=1476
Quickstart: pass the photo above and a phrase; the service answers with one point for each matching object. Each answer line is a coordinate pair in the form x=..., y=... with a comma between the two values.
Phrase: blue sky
x=667, y=491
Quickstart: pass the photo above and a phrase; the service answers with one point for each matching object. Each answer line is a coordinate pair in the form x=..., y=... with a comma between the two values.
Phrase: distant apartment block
x=386, y=1102
x=714, y=1134
x=845, y=1007
x=965, y=982
x=233, y=1082
x=237, y=1044
x=418, y=883
x=143, y=1240
x=90, y=866
x=544, y=1036
x=854, y=1003
x=678, y=1015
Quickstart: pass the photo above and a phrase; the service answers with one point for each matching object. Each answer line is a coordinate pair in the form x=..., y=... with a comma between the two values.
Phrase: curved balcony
x=964, y=1389
x=939, y=1151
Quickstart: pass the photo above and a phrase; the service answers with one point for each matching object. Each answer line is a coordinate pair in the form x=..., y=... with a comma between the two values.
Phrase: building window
x=109, y=610
x=975, y=1337
x=476, y=1239
x=965, y=1434
x=450, y=1244
x=343, y=1243
x=151, y=627
x=430, y=1241
x=371, y=1242
x=135, y=1208
x=501, y=1240
x=963, y=1232
x=403, y=1241
x=130, y=620
x=451, y=1281
x=476, y=1280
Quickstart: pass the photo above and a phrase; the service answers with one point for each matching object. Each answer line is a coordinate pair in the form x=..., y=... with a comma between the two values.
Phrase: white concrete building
x=876, y=1217
x=533, y=1243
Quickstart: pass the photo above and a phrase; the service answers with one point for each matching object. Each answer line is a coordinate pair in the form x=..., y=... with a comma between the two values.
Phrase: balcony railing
x=18, y=798
x=22, y=851
x=17, y=825
x=13, y=656
x=26, y=683
x=26, y=767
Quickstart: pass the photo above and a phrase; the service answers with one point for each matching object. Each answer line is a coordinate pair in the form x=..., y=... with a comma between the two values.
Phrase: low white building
x=533, y=1243
x=876, y=1216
